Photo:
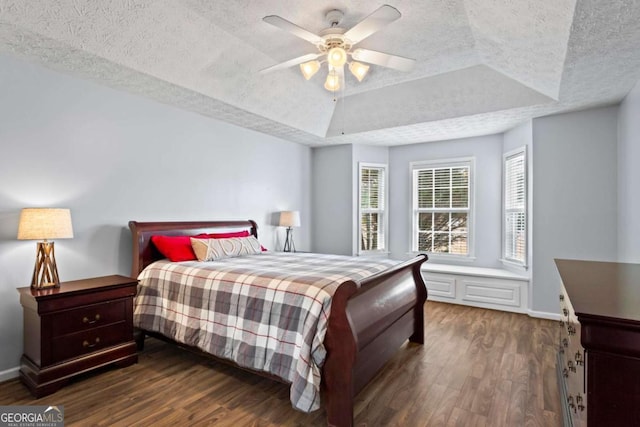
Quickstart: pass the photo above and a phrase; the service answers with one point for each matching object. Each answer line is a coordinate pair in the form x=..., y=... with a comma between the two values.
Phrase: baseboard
x=9, y=374
x=543, y=315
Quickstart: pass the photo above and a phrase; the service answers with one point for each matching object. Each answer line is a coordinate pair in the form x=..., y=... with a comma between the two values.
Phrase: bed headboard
x=144, y=252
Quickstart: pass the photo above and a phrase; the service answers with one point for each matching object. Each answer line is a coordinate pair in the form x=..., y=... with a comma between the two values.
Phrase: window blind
x=442, y=208
x=515, y=205
x=372, y=208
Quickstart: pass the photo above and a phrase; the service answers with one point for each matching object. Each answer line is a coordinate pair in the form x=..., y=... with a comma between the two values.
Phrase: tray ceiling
x=483, y=66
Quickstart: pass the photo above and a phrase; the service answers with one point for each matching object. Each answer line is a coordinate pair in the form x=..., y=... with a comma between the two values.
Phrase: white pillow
x=215, y=249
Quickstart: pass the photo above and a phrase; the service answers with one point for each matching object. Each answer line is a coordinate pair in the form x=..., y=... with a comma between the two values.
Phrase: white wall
x=574, y=195
x=629, y=177
x=487, y=151
x=112, y=157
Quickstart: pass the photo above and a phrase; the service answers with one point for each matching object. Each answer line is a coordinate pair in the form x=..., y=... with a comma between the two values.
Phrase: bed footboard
x=368, y=323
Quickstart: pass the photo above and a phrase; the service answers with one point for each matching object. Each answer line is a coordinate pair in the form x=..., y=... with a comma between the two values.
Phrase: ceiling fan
x=336, y=45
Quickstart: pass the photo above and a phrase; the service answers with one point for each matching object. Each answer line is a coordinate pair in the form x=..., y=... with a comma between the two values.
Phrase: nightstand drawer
x=88, y=317
x=80, y=343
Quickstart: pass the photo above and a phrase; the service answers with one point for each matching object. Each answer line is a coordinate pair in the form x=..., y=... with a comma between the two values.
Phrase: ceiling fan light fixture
x=333, y=82
x=336, y=47
x=359, y=70
x=309, y=69
x=337, y=57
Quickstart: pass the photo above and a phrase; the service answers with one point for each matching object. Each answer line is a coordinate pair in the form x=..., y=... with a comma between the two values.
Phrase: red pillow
x=178, y=248
x=244, y=233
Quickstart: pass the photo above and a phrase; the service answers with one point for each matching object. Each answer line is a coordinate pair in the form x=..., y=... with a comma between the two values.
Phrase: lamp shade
x=332, y=83
x=45, y=223
x=309, y=69
x=337, y=57
x=289, y=219
x=359, y=70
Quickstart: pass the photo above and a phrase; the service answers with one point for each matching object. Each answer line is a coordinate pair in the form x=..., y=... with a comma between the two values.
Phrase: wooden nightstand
x=80, y=326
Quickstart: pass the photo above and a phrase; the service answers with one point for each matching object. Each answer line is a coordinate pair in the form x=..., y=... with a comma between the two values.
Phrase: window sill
x=514, y=266
x=454, y=259
x=374, y=254
x=464, y=270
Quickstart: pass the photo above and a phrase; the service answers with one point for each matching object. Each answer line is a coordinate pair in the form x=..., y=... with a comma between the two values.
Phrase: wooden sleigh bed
x=367, y=324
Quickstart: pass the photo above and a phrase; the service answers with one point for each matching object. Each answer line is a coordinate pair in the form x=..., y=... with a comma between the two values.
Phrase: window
x=442, y=206
x=372, y=202
x=515, y=207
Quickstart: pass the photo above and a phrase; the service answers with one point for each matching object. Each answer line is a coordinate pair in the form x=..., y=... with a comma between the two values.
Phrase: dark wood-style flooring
x=477, y=368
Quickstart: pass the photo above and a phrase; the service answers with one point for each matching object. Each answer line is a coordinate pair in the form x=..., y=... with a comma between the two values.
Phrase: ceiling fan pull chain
x=344, y=115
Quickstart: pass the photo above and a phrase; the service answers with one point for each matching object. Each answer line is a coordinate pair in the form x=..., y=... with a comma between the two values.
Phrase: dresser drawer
x=75, y=328
x=84, y=342
x=88, y=317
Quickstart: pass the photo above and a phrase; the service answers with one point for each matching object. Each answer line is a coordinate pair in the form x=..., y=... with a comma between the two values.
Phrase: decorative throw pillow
x=178, y=248
x=215, y=249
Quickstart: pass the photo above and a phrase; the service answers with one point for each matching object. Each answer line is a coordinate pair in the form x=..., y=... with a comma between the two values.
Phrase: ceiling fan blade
x=297, y=31
x=291, y=62
x=381, y=17
x=384, y=59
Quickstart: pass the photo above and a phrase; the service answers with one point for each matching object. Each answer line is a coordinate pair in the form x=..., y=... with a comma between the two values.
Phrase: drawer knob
x=571, y=366
x=86, y=343
x=565, y=311
x=565, y=373
x=579, y=360
x=565, y=342
x=91, y=322
x=561, y=297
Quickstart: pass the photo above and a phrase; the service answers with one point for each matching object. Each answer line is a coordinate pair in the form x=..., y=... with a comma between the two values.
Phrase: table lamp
x=289, y=219
x=43, y=224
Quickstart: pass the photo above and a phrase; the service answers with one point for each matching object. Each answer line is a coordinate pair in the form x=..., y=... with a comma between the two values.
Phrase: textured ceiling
x=482, y=66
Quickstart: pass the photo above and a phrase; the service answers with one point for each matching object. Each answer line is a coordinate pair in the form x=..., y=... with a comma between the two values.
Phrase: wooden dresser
x=599, y=347
x=78, y=327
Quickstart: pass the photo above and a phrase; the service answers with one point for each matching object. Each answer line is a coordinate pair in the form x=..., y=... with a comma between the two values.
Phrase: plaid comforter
x=268, y=312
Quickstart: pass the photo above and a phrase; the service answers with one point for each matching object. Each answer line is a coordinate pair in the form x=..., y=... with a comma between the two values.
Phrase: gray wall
x=487, y=151
x=574, y=195
x=335, y=195
x=112, y=157
x=629, y=177
x=332, y=201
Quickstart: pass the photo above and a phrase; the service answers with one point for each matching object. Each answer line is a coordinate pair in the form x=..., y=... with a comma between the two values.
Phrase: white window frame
x=444, y=163
x=383, y=211
x=521, y=151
